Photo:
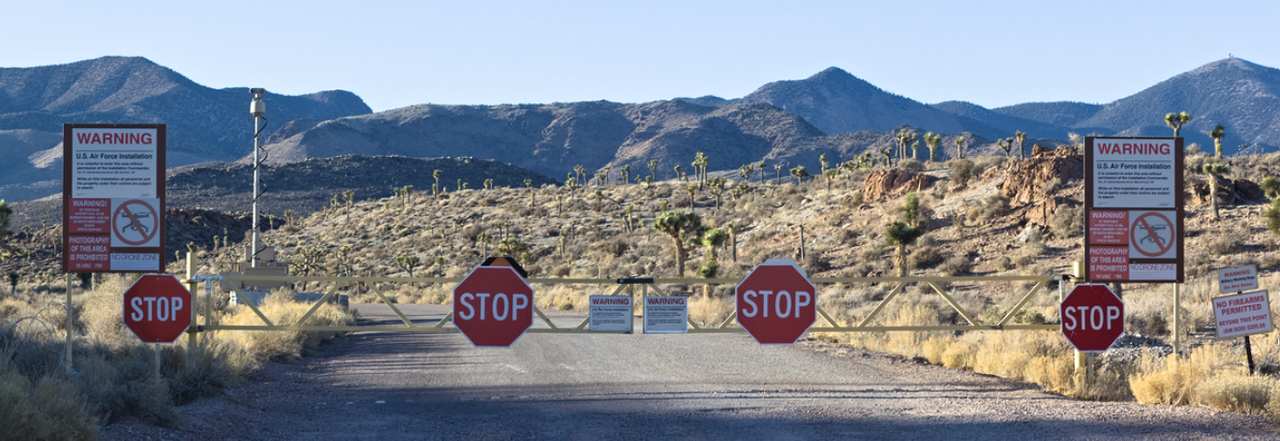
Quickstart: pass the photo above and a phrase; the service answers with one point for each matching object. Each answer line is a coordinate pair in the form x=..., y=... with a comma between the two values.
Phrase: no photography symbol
x=135, y=222
x=1152, y=234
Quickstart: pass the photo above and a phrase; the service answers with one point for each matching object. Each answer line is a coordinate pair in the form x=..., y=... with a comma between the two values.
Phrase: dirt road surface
x=391, y=386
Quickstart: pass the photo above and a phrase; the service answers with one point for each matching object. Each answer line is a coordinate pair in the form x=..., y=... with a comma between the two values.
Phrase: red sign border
x=453, y=306
x=190, y=307
x=1179, y=209
x=67, y=152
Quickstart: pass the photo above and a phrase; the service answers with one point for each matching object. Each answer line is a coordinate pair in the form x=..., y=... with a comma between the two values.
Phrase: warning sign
x=1133, y=227
x=113, y=197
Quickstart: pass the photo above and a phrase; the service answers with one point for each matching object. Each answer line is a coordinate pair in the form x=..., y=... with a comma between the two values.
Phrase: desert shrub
x=1004, y=263
x=924, y=257
x=961, y=170
x=911, y=165
x=1051, y=186
x=1225, y=241
x=710, y=311
x=955, y=266
x=1247, y=395
x=1173, y=380
x=1068, y=222
x=994, y=205
x=286, y=345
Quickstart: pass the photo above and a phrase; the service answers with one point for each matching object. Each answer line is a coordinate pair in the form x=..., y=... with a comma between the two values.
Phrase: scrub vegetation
x=862, y=218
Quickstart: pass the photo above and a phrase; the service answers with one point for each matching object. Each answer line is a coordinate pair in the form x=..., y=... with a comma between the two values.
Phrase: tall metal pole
x=257, y=108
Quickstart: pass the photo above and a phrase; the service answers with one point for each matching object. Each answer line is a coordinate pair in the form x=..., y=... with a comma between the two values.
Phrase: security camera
x=257, y=91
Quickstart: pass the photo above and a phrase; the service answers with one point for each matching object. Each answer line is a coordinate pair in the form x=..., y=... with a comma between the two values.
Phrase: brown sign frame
x=68, y=155
x=1179, y=209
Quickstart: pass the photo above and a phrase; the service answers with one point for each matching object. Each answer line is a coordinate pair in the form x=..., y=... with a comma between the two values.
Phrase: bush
x=955, y=266
x=911, y=165
x=1247, y=395
x=1068, y=222
x=924, y=257
x=961, y=170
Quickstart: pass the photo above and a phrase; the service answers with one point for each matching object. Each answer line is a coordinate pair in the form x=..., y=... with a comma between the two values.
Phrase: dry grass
x=281, y=310
x=117, y=375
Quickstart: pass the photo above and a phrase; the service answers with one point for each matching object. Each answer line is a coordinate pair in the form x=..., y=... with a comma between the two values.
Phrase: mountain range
x=788, y=123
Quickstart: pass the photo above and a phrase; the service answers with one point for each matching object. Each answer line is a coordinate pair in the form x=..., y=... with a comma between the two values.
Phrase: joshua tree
x=408, y=262
x=436, y=174
x=581, y=173
x=626, y=173
x=800, y=173
x=5, y=213
x=1217, y=135
x=1005, y=144
x=761, y=166
x=915, y=148
x=746, y=171
x=680, y=226
x=691, y=189
x=528, y=183
x=1021, y=137
x=900, y=235
x=653, y=168
x=828, y=176
x=716, y=187
x=959, y=147
x=1175, y=121
x=1213, y=169
x=711, y=240
x=484, y=237
x=904, y=137
x=288, y=216
x=822, y=162
x=932, y=140
x=679, y=172
x=13, y=282
x=777, y=168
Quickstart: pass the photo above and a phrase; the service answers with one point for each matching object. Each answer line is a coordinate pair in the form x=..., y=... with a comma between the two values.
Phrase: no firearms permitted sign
x=1133, y=209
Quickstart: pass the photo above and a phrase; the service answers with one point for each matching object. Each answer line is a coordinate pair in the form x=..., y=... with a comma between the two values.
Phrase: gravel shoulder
x=593, y=386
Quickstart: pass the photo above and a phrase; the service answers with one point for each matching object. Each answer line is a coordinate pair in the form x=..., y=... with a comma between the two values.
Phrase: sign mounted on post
x=113, y=198
x=1242, y=314
x=157, y=308
x=1244, y=278
x=1134, y=210
x=1092, y=317
x=776, y=302
x=493, y=306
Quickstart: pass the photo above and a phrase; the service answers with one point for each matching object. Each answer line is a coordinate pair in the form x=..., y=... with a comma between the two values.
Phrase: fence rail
x=867, y=324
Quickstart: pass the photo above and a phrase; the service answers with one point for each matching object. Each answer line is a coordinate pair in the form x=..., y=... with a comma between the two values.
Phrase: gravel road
x=615, y=386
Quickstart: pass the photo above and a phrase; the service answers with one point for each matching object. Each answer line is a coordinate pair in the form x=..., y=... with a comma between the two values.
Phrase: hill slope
x=204, y=124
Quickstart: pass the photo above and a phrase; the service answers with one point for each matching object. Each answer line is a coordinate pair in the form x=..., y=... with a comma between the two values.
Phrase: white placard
x=1134, y=173
x=1244, y=278
x=666, y=314
x=610, y=314
x=1242, y=314
x=114, y=162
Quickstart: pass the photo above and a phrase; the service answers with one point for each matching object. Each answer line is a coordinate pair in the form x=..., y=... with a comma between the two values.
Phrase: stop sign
x=775, y=303
x=493, y=306
x=1092, y=317
x=157, y=308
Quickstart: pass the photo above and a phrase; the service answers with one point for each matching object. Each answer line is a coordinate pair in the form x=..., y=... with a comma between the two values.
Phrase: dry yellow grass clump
x=116, y=376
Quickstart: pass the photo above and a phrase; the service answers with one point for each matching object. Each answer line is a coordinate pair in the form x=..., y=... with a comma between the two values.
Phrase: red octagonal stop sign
x=157, y=308
x=776, y=302
x=493, y=306
x=1092, y=317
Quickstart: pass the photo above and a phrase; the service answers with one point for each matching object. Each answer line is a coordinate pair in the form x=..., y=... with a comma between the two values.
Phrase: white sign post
x=113, y=198
x=666, y=315
x=610, y=314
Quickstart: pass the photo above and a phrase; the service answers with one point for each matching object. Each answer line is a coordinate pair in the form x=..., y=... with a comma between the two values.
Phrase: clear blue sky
x=400, y=53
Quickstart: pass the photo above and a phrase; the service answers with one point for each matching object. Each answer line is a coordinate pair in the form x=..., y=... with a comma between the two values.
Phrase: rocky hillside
x=204, y=124
x=552, y=139
x=306, y=186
